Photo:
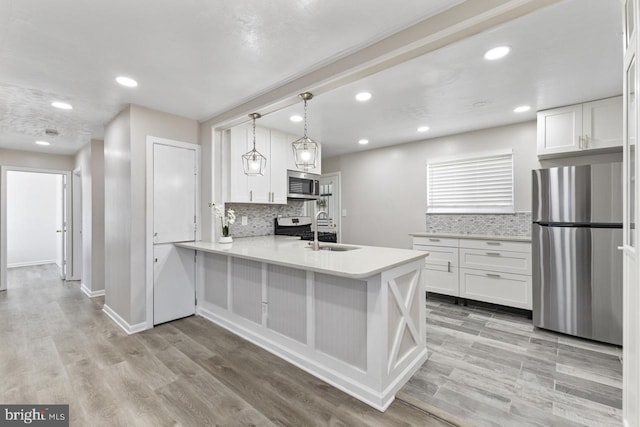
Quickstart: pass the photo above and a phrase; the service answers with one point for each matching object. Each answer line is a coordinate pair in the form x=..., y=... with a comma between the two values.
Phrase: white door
x=174, y=285
x=631, y=293
x=61, y=227
x=174, y=194
x=175, y=204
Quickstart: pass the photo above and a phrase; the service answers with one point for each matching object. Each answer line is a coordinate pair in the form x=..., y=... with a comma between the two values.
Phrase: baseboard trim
x=30, y=263
x=129, y=329
x=91, y=294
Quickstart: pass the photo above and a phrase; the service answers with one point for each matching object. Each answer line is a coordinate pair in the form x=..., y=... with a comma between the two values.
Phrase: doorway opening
x=36, y=222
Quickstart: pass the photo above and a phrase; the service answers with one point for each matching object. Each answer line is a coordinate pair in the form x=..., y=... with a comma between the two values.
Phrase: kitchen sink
x=336, y=248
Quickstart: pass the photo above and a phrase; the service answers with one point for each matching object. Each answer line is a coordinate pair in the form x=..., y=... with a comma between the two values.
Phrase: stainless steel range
x=300, y=226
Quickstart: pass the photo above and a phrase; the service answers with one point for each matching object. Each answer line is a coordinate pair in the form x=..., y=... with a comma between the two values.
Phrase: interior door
x=61, y=230
x=631, y=291
x=174, y=194
x=174, y=220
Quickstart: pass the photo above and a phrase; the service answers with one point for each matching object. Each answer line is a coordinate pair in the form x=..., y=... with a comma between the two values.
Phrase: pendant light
x=253, y=162
x=305, y=150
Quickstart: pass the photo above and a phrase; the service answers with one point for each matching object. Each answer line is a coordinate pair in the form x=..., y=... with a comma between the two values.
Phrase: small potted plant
x=226, y=219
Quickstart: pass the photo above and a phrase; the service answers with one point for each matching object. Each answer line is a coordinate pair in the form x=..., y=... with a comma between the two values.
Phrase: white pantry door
x=631, y=288
x=174, y=220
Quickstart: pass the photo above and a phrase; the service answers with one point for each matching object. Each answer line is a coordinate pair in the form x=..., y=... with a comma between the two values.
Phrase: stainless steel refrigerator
x=577, y=269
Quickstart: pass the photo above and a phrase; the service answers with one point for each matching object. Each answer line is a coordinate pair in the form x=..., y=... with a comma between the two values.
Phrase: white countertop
x=473, y=236
x=292, y=252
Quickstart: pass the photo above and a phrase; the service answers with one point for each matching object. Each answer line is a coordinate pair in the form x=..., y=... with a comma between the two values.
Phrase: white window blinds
x=472, y=185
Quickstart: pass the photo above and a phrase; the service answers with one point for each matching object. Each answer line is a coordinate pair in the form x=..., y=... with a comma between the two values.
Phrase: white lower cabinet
x=495, y=271
x=513, y=290
x=440, y=272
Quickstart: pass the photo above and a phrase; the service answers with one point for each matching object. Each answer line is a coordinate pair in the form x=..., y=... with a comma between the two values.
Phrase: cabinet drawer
x=501, y=245
x=435, y=241
x=439, y=254
x=495, y=260
x=513, y=290
x=440, y=280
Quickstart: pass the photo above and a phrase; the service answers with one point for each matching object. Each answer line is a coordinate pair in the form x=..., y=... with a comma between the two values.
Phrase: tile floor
x=493, y=368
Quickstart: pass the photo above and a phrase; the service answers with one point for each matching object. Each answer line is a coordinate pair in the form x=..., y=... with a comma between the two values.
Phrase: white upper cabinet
x=291, y=160
x=268, y=188
x=280, y=149
x=576, y=129
x=602, y=123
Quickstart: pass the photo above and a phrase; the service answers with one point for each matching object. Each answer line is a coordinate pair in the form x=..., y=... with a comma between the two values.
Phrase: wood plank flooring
x=56, y=346
x=491, y=368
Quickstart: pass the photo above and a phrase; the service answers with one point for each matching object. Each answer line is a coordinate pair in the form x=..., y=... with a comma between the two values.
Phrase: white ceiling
x=194, y=58
x=564, y=54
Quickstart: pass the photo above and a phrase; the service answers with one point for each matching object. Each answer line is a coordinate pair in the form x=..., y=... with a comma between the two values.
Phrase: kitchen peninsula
x=354, y=317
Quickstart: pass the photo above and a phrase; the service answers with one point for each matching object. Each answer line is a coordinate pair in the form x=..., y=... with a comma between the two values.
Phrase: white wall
x=384, y=190
x=125, y=202
x=90, y=161
x=31, y=218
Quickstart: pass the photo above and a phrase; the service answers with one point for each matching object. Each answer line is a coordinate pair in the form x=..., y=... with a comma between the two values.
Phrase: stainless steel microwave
x=302, y=185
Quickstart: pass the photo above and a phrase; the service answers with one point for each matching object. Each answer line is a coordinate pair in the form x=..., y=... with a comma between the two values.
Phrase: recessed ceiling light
x=363, y=141
x=43, y=143
x=295, y=118
x=61, y=105
x=126, y=81
x=497, y=53
x=363, y=96
x=521, y=109
x=423, y=128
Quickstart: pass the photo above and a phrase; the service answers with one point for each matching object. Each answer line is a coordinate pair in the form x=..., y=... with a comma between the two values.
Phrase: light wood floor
x=493, y=368
x=56, y=346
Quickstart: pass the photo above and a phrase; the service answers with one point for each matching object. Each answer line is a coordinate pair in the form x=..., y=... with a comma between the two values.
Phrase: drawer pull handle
x=493, y=253
x=492, y=275
x=434, y=240
x=493, y=243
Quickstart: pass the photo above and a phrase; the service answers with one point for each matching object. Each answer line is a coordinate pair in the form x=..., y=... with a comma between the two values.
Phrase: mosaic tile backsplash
x=518, y=224
x=260, y=217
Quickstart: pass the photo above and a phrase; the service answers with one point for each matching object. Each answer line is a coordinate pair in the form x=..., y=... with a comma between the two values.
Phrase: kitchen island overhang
x=355, y=319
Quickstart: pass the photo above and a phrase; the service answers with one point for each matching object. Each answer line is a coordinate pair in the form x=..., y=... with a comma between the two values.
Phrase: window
x=471, y=185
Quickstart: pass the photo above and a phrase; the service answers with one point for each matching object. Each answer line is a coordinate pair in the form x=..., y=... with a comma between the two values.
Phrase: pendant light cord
x=305, y=118
x=254, y=133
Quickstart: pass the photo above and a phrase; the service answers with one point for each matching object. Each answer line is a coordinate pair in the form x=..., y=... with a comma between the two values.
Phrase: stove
x=300, y=226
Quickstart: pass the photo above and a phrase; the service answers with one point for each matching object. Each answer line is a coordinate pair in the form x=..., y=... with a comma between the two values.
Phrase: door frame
x=151, y=141
x=338, y=176
x=3, y=214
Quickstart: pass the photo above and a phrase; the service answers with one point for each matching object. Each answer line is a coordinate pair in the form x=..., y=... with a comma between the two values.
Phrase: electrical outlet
x=245, y=220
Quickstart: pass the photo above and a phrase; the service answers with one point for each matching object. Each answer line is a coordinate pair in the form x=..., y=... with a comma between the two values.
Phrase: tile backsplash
x=260, y=217
x=518, y=224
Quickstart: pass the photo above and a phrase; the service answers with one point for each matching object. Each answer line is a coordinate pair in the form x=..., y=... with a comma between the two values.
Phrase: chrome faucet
x=316, y=245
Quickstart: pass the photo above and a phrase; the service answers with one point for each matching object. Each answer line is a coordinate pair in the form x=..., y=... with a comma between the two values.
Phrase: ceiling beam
x=457, y=23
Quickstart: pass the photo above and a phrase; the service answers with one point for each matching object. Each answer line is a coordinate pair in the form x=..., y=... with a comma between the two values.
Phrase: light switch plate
x=344, y=212
x=245, y=220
